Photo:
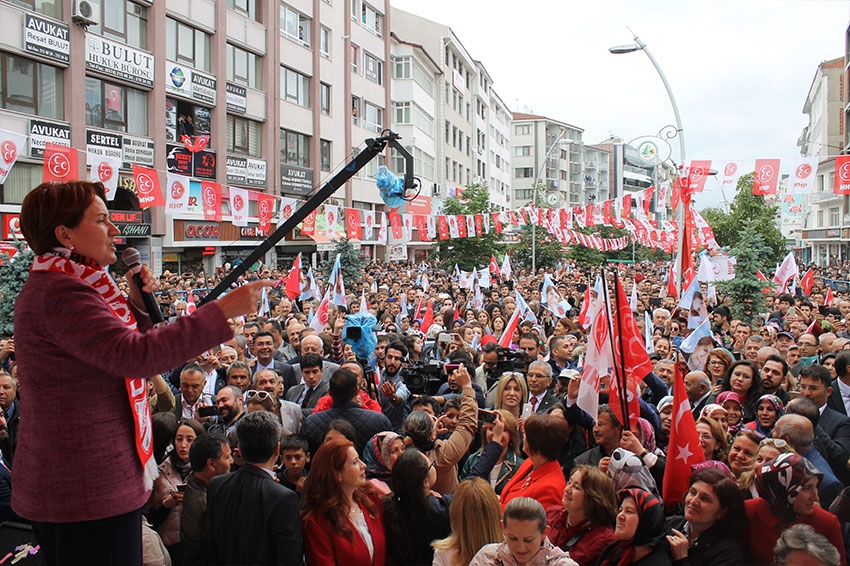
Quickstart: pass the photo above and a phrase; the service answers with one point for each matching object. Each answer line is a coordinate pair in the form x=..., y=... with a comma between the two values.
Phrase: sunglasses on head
x=262, y=395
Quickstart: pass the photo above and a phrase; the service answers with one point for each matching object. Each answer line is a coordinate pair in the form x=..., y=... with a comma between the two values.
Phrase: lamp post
x=639, y=45
x=534, y=199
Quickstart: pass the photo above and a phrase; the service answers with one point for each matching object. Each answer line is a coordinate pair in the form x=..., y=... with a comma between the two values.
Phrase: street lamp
x=534, y=198
x=639, y=45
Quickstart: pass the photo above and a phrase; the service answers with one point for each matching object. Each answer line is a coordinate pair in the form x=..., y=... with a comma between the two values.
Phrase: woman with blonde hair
x=511, y=393
x=475, y=517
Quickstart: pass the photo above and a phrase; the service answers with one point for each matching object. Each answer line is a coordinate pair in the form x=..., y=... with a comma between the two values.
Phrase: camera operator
x=393, y=394
x=451, y=388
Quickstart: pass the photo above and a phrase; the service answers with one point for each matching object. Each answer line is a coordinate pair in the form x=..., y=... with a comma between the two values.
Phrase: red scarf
x=137, y=389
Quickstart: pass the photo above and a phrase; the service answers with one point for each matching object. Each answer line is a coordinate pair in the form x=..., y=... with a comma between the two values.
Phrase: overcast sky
x=740, y=70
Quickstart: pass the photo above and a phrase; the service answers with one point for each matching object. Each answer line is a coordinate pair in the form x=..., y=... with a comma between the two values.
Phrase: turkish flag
x=842, y=175
x=211, y=199
x=497, y=222
x=767, y=176
x=583, y=315
x=647, y=199
x=494, y=266
x=508, y=333
x=807, y=282
x=265, y=209
x=395, y=225
x=442, y=228
x=627, y=206
x=60, y=164
x=461, y=226
x=684, y=449
x=293, y=280
x=699, y=172
x=428, y=319
x=147, y=185
x=353, y=229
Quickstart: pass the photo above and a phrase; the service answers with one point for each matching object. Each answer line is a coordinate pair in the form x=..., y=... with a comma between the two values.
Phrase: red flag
x=421, y=221
x=211, y=197
x=461, y=226
x=766, y=177
x=842, y=175
x=428, y=319
x=606, y=214
x=320, y=317
x=671, y=283
x=147, y=185
x=265, y=209
x=190, y=303
x=513, y=218
x=647, y=199
x=684, y=449
x=588, y=216
x=479, y=225
x=443, y=227
x=308, y=225
x=497, y=222
x=699, y=172
x=583, y=318
x=395, y=225
x=60, y=164
x=808, y=281
x=353, y=229
x=508, y=333
x=828, y=297
x=494, y=266
x=293, y=280
x=629, y=355
x=627, y=206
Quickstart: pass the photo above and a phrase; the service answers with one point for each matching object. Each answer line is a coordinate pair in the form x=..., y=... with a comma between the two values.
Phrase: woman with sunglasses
x=413, y=516
x=769, y=448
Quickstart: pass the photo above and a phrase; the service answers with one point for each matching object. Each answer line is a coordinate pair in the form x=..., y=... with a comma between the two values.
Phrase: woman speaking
x=84, y=353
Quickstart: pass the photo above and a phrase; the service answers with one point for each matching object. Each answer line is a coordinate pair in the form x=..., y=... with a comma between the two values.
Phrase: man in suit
x=312, y=344
x=251, y=503
x=698, y=385
x=816, y=385
x=539, y=377
x=264, y=351
x=191, y=396
x=839, y=399
x=314, y=385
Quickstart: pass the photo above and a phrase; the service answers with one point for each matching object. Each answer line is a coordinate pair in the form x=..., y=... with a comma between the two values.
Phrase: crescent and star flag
x=265, y=210
x=382, y=228
x=842, y=175
x=308, y=225
x=395, y=225
x=320, y=317
x=785, y=272
x=238, y=206
x=684, y=449
x=104, y=170
x=766, y=177
x=211, y=200
x=190, y=303
x=443, y=227
x=265, y=310
x=12, y=144
x=508, y=333
x=828, y=296
x=147, y=186
x=428, y=318
x=807, y=282
x=730, y=174
x=176, y=193
x=584, y=318
x=497, y=222
x=293, y=280
x=287, y=206
x=60, y=164
x=494, y=266
x=699, y=172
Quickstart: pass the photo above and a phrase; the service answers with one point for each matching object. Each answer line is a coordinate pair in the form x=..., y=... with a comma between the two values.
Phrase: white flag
x=648, y=331
x=239, y=206
x=382, y=229
x=369, y=221
x=732, y=171
x=431, y=223
x=331, y=220
x=287, y=207
x=105, y=170
x=407, y=226
x=453, y=232
x=801, y=178
x=470, y=225
x=176, y=194
x=12, y=145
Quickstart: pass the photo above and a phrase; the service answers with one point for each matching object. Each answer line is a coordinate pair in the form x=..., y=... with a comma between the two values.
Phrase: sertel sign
x=12, y=227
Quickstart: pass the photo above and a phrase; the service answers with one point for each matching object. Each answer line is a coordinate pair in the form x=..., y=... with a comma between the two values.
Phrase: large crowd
x=283, y=446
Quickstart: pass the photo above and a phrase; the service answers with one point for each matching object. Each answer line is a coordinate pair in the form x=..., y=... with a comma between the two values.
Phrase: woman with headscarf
x=788, y=495
x=768, y=410
x=639, y=531
x=731, y=401
x=379, y=455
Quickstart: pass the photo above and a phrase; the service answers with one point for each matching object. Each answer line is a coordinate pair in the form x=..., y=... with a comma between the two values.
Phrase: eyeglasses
x=717, y=363
x=262, y=395
x=775, y=442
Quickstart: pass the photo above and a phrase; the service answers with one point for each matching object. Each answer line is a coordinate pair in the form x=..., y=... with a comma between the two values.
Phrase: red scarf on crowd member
x=137, y=390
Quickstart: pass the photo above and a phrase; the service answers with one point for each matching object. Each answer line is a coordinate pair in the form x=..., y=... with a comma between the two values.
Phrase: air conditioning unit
x=85, y=12
x=438, y=189
x=476, y=179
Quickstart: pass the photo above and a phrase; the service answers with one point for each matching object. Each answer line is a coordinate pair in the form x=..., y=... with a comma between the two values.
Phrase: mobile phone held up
x=207, y=411
x=486, y=416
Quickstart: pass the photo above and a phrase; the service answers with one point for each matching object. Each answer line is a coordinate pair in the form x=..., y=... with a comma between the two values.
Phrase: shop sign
x=134, y=230
x=834, y=233
x=298, y=180
x=201, y=230
x=126, y=216
x=189, y=83
x=245, y=171
x=12, y=227
x=104, y=144
x=118, y=60
x=252, y=233
x=237, y=98
x=47, y=39
x=201, y=164
x=136, y=150
x=42, y=132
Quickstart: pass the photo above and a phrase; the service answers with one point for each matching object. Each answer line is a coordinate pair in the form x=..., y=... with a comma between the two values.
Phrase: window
x=184, y=118
x=123, y=21
x=523, y=130
x=355, y=109
x=372, y=20
x=248, y=8
x=244, y=67
x=47, y=7
x=401, y=112
x=524, y=172
x=373, y=68
x=325, y=42
x=423, y=164
x=116, y=107
x=401, y=67
x=325, y=98
x=522, y=150
x=373, y=117
x=833, y=216
x=244, y=136
x=294, y=148
x=354, y=4
x=325, y=155
x=294, y=26
x=407, y=67
x=186, y=44
x=820, y=218
x=295, y=87
x=355, y=53
x=34, y=88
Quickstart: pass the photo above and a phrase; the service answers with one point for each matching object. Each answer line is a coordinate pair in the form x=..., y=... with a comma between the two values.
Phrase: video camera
x=509, y=360
x=424, y=378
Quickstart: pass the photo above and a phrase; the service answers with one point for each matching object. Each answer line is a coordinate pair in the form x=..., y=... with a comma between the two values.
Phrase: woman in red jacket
x=341, y=514
x=540, y=476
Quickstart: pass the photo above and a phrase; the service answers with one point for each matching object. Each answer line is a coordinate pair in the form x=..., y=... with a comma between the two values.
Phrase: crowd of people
x=276, y=444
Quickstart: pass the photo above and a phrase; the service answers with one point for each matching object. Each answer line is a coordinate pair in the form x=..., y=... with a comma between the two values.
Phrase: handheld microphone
x=131, y=258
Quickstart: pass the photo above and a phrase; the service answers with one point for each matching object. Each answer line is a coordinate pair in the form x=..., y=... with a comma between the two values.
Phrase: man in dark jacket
x=343, y=392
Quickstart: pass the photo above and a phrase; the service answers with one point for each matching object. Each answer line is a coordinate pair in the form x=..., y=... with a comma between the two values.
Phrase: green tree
x=745, y=289
x=469, y=253
x=351, y=262
x=13, y=274
x=548, y=251
x=747, y=207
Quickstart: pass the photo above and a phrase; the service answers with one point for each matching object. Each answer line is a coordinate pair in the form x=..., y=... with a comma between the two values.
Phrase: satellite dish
x=554, y=198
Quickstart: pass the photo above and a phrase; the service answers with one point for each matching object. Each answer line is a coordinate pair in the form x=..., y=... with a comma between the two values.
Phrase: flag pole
x=624, y=409
x=624, y=397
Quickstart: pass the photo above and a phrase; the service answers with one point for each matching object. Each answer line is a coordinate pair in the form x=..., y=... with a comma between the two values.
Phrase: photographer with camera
x=393, y=394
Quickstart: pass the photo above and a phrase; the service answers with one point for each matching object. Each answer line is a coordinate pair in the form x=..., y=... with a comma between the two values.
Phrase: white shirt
x=845, y=394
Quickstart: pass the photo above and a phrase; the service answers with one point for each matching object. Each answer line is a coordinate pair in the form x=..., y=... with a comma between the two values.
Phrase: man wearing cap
x=784, y=340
